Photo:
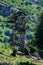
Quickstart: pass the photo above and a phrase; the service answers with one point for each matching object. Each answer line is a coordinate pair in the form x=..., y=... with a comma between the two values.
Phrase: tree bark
x=22, y=40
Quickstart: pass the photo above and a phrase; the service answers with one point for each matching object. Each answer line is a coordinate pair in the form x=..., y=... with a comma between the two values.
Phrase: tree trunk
x=12, y=39
x=22, y=40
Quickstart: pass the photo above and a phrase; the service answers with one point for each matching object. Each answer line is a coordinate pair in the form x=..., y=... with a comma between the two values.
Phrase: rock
x=41, y=60
x=37, y=56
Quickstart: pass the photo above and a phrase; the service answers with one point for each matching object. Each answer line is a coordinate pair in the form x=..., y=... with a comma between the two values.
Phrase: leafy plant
x=39, y=32
x=41, y=53
x=15, y=50
x=26, y=63
x=32, y=49
x=26, y=50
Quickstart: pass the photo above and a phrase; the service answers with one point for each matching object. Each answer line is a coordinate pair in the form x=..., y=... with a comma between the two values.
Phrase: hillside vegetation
x=11, y=53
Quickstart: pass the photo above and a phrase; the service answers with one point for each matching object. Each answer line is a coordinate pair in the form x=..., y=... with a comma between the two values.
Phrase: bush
x=41, y=53
x=15, y=49
x=26, y=50
x=39, y=33
x=26, y=63
x=32, y=49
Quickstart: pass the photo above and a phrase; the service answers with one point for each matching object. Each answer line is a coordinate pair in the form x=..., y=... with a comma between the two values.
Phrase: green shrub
x=39, y=32
x=32, y=49
x=25, y=63
x=15, y=50
x=41, y=53
x=26, y=50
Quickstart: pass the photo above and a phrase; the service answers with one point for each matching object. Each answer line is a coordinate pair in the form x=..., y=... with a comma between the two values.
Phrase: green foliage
x=32, y=49
x=41, y=2
x=39, y=33
x=27, y=5
x=26, y=63
x=33, y=10
x=15, y=50
x=41, y=53
x=39, y=36
x=26, y=50
x=16, y=60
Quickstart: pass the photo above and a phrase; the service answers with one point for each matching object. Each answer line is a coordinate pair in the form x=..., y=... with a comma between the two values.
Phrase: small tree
x=19, y=20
